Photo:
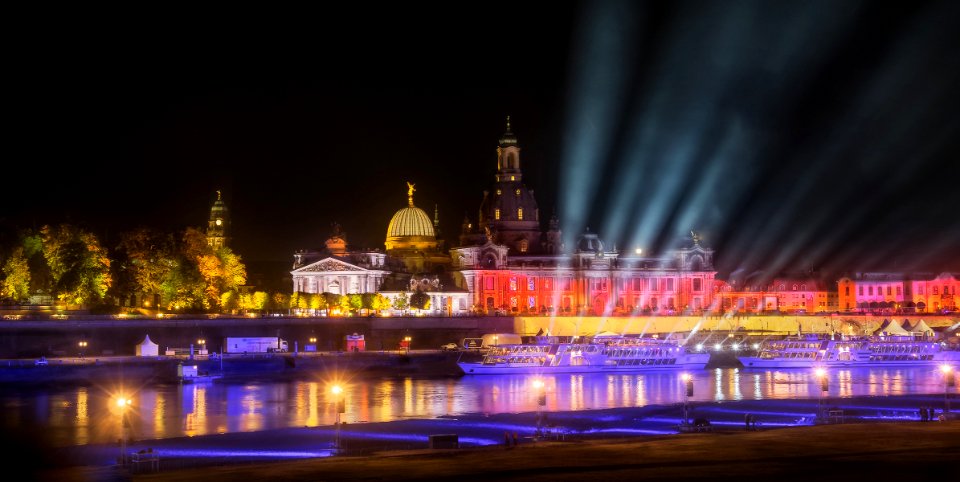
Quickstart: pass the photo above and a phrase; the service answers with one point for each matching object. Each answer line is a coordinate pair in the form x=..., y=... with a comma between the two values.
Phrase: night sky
x=790, y=135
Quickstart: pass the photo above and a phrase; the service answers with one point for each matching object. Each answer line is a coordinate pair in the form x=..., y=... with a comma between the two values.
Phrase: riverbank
x=163, y=369
x=622, y=443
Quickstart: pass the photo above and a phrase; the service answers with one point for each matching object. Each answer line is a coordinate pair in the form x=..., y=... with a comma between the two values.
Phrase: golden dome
x=410, y=221
x=410, y=227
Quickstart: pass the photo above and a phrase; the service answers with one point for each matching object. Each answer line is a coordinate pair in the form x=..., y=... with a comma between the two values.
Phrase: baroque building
x=506, y=262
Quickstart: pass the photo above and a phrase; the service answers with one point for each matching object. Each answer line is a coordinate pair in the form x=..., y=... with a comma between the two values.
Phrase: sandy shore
x=876, y=438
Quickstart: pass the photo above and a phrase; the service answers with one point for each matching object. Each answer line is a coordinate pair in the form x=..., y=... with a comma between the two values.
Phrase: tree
x=401, y=302
x=16, y=271
x=260, y=300
x=230, y=301
x=420, y=300
x=354, y=302
x=380, y=303
x=79, y=266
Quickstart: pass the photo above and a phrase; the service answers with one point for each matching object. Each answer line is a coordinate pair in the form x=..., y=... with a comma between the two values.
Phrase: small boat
x=599, y=354
x=190, y=374
x=882, y=351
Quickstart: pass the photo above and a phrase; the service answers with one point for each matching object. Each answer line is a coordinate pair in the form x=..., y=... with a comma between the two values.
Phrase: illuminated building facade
x=509, y=266
x=506, y=264
x=793, y=294
x=896, y=292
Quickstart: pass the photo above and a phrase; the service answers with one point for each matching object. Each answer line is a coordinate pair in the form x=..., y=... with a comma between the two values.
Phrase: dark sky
x=791, y=135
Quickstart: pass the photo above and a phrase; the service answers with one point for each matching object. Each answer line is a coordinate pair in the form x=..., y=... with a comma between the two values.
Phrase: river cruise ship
x=599, y=354
x=813, y=351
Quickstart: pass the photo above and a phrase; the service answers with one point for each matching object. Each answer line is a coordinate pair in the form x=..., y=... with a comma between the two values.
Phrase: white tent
x=922, y=328
x=891, y=327
x=147, y=347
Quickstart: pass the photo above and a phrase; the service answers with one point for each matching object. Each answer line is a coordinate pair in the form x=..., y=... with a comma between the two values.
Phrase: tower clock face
x=219, y=222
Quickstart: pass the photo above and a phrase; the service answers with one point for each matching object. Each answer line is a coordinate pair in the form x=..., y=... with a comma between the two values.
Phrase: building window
x=870, y=290
x=498, y=192
x=889, y=290
x=899, y=291
x=512, y=178
x=488, y=283
x=697, y=285
x=496, y=214
x=920, y=289
x=531, y=302
x=518, y=193
x=653, y=284
x=669, y=284
x=531, y=283
x=936, y=290
x=513, y=283
x=846, y=290
x=636, y=284
x=520, y=214
x=794, y=287
x=523, y=245
x=860, y=290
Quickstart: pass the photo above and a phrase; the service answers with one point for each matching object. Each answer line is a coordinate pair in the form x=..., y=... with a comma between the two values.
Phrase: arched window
x=523, y=245
x=794, y=287
x=511, y=161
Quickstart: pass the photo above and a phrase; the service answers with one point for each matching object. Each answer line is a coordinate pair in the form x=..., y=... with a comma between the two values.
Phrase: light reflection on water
x=83, y=415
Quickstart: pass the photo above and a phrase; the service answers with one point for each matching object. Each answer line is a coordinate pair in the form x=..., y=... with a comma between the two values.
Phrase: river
x=90, y=414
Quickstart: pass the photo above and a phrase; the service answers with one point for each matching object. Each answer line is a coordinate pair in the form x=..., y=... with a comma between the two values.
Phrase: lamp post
x=541, y=402
x=337, y=390
x=82, y=345
x=688, y=392
x=122, y=404
x=824, y=386
x=948, y=381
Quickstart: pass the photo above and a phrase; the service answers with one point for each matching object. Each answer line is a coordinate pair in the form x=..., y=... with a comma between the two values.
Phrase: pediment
x=328, y=264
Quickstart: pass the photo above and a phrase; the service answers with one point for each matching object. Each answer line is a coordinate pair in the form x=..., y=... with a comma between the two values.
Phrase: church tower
x=218, y=224
x=509, y=211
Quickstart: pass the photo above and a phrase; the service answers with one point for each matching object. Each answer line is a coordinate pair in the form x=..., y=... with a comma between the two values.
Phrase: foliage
x=420, y=300
x=260, y=300
x=16, y=271
x=401, y=302
x=354, y=302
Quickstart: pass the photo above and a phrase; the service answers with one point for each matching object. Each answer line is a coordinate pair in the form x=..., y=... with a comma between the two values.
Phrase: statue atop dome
x=410, y=190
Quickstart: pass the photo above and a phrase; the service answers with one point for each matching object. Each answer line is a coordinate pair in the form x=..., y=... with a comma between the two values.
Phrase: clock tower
x=217, y=226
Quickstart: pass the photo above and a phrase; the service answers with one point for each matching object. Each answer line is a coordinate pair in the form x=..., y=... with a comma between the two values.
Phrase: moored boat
x=612, y=354
x=812, y=351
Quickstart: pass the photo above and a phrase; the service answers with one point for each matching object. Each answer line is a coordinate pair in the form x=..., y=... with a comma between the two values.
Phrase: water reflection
x=83, y=415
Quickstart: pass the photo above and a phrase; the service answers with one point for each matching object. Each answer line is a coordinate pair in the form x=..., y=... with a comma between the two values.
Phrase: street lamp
x=541, y=402
x=82, y=345
x=406, y=343
x=824, y=386
x=122, y=404
x=337, y=390
x=948, y=381
x=688, y=392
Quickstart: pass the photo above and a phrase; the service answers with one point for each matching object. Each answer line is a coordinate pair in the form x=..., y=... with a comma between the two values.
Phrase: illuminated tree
x=16, y=271
x=143, y=261
x=280, y=301
x=380, y=303
x=354, y=302
x=79, y=266
x=401, y=302
x=230, y=301
x=260, y=300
